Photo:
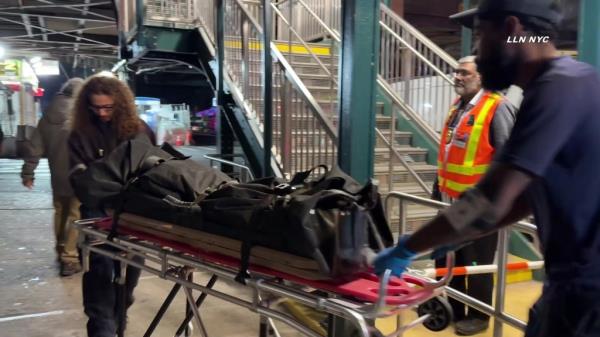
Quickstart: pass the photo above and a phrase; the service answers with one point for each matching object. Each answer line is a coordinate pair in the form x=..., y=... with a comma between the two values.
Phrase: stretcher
x=357, y=301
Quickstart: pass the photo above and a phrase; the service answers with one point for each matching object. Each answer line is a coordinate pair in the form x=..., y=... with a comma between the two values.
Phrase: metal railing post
x=501, y=281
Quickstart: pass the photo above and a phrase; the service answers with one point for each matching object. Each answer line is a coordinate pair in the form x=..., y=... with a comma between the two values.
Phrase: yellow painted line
x=519, y=276
x=283, y=47
x=305, y=315
x=387, y=325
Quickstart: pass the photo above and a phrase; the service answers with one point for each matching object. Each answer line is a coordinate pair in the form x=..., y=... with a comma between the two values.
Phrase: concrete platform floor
x=36, y=302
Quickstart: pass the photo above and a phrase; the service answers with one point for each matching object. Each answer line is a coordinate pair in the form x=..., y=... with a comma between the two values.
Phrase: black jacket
x=90, y=145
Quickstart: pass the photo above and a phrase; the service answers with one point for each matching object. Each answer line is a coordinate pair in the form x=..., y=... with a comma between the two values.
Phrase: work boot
x=69, y=268
x=471, y=326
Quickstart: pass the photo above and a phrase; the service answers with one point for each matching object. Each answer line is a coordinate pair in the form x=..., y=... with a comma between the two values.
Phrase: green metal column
x=267, y=87
x=225, y=138
x=589, y=32
x=466, y=35
x=358, y=71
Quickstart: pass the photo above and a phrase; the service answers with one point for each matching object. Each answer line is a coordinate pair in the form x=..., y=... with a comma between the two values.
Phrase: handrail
x=422, y=38
x=333, y=34
x=497, y=311
x=249, y=16
x=429, y=132
x=306, y=95
x=214, y=157
x=521, y=226
x=311, y=53
x=421, y=57
x=294, y=78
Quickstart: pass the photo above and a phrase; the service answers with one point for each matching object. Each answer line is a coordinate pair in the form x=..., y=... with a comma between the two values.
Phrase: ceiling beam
x=26, y=22
x=73, y=8
x=55, y=5
x=43, y=24
x=51, y=16
x=32, y=41
x=46, y=34
x=51, y=30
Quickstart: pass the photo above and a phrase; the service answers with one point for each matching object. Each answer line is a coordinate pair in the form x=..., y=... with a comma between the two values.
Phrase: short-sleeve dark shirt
x=556, y=138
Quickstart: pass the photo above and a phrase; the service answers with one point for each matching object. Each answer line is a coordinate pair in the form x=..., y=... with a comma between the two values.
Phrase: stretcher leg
x=199, y=301
x=190, y=299
x=263, y=330
x=162, y=310
x=121, y=309
x=189, y=275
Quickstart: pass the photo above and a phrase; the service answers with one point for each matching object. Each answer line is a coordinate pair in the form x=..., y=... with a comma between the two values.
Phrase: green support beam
x=466, y=35
x=589, y=32
x=358, y=71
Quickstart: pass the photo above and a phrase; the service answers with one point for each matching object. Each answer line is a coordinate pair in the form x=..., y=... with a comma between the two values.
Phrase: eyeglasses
x=98, y=108
x=462, y=73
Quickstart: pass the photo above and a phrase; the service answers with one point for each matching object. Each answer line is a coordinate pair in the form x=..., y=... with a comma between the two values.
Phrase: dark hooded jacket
x=50, y=140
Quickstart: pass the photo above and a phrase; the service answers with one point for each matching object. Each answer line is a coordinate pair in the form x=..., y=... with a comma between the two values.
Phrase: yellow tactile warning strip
x=518, y=276
x=283, y=47
x=307, y=316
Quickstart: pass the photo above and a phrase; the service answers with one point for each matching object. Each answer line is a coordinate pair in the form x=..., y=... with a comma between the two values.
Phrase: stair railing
x=174, y=13
x=418, y=71
x=303, y=136
x=398, y=106
x=293, y=17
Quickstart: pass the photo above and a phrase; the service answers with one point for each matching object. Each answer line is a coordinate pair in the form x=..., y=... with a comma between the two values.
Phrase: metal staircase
x=414, y=85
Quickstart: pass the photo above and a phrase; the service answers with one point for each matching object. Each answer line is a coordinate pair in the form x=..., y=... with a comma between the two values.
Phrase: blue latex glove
x=394, y=258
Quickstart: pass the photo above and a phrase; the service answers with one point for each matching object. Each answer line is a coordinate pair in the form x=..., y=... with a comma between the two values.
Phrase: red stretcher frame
x=363, y=297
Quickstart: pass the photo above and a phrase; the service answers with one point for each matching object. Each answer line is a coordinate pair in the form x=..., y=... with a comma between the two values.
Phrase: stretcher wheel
x=440, y=311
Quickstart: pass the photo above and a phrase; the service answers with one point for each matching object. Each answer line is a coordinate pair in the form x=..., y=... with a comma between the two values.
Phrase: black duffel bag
x=331, y=219
x=143, y=179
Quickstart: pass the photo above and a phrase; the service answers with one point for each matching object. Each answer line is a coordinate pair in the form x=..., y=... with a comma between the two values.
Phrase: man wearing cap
x=478, y=124
x=549, y=166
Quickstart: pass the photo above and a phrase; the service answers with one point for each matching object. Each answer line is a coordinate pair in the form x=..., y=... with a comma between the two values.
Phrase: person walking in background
x=478, y=124
x=50, y=140
x=104, y=116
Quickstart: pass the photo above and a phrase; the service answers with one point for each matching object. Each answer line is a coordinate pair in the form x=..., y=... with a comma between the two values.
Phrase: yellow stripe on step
x=283, y=47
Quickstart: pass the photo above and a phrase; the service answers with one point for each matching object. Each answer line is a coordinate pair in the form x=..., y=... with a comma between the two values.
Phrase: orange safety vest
x=470, y=151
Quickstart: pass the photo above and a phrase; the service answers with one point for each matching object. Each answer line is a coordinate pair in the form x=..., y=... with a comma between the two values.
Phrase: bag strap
x=300, y=177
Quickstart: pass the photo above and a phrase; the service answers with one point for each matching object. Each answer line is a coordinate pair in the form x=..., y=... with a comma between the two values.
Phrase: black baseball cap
x=548, y=10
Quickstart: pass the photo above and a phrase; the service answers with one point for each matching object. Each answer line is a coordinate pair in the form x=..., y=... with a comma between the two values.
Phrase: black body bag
x=331, y=219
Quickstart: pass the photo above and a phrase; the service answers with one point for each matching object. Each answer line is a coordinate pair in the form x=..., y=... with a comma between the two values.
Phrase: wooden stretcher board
x=281, y=261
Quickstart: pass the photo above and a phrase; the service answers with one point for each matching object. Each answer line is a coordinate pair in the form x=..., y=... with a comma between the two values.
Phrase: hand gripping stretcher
x=358, y=301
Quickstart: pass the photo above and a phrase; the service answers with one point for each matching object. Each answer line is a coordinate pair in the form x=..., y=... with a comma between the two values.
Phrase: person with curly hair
x=104, y=116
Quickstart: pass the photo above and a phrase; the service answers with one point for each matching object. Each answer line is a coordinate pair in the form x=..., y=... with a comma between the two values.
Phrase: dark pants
x=480, y=252
x=566, y=309
x=100, y=290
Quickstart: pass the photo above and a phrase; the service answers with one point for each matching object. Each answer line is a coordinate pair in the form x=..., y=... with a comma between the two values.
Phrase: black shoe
x=471, y=326
x=69, y=268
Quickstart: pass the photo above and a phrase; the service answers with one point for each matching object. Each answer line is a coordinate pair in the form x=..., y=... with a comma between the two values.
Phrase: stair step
x=310, y=122
x=400, y=174
x=416, y=217
x=401, y=138
x=235, y=63
x=410, y=188
x=415, y=154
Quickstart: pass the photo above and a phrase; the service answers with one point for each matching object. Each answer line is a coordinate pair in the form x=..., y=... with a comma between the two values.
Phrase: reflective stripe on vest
x=475, y=137
x=465, y=170
x=464, y=166
x=453, y=185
